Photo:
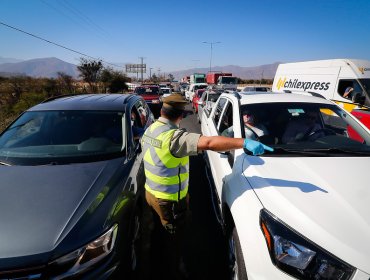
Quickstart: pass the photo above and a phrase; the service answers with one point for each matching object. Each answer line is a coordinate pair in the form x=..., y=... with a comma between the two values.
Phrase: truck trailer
x=222, y=80
x=197, y=78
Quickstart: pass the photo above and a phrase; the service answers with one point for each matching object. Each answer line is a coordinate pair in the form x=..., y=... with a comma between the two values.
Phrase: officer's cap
x=174, y=101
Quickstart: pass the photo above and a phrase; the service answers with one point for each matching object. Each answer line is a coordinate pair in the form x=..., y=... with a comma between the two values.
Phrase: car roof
x=104, y=102
x=275, y=97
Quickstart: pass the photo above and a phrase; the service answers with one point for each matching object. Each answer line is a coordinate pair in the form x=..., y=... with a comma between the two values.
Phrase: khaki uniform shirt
x=183, y=143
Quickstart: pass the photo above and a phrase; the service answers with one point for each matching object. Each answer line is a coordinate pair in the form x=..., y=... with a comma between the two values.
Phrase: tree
x=171, y=78
x=114, y=81
x=90, y=71
x=66, y=82
x=51, y=88
x=155, y=79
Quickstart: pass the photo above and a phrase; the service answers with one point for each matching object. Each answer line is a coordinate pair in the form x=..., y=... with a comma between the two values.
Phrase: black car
x=71, y=187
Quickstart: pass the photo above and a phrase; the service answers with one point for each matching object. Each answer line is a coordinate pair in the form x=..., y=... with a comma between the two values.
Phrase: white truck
x=329, y=78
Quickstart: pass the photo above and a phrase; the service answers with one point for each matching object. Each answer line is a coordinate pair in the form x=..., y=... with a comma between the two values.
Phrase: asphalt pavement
x=205, y=247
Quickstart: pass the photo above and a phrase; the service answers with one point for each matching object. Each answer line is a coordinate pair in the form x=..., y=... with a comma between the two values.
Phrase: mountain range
x=40, y=67
x=49, y=67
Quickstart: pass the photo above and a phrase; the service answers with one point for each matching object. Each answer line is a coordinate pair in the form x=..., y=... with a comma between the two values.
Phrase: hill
x=266, y=71
x=40, y=67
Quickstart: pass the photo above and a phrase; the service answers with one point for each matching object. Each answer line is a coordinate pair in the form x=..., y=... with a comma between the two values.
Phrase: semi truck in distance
x=329, y=78
x=197, y=78
x=222, y=80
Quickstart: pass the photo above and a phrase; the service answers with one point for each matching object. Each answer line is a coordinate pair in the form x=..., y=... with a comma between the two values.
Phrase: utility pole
x=142, y=68
x=150, y=73
x=261, y=77
x=159, y=74
x=210, y=60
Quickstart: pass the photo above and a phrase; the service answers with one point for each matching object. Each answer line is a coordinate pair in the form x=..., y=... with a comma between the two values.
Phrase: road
x=205, y=254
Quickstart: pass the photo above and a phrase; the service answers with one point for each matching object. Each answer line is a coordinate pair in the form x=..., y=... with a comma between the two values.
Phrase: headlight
x=84, y=257
x=297, y=256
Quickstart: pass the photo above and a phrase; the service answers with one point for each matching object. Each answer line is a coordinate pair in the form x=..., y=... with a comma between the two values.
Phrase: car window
x=225, y=126
x=143, y=116
x=219, y=108
x=63, y=136
x=307, y=126
x=147, y=90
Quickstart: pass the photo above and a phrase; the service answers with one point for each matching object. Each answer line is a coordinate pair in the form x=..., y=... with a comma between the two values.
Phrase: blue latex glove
x=256, y=147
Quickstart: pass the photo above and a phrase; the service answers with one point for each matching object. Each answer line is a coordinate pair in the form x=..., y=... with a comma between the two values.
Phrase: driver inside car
x=305, y=126
x=252, y=127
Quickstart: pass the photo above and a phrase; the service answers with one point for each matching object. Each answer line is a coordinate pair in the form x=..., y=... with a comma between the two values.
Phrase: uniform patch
x=152, y=141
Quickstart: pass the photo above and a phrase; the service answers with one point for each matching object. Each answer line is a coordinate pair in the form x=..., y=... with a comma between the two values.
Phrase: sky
x=170, y=34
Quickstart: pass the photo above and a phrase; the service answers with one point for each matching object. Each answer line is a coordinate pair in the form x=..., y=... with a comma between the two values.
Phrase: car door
x=138, y=119
x=220, y=120
x=201, y=104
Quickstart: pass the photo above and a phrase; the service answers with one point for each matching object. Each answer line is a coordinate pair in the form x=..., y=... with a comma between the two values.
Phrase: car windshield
x=147, y=90
x=200, y=87
x=229, y=80
x=213, y=97
x=62, y=137
x=165, y=90
x=313, y=128
x=200, y=92
x=261, y=89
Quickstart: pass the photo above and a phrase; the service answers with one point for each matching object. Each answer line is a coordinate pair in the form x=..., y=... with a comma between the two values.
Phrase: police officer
x=166, y=150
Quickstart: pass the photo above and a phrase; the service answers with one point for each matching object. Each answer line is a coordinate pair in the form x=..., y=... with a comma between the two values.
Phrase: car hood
x=327, y=200
x=39, y=205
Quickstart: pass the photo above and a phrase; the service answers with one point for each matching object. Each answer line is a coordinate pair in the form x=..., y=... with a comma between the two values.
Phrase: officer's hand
x=256, y=147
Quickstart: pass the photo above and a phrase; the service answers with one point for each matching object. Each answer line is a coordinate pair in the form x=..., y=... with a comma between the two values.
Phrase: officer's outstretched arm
x=219, y=143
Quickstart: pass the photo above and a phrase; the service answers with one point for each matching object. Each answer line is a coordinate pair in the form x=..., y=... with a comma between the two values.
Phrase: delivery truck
x=212, y=77
x=222, y=80
x=197, y=78
x=329, y=78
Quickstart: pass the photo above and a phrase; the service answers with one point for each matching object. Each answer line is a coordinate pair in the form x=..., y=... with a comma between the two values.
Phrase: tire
x=237, y=269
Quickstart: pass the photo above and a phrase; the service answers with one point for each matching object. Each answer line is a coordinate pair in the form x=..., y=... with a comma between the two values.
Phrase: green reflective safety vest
x=167, y=177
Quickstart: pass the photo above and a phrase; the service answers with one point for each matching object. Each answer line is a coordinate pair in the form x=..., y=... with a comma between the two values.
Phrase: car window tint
x=225, y=126
x=142, y=114
x=218, y=111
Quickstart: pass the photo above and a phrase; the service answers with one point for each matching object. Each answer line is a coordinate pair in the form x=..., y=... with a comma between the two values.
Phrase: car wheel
x=236, y=261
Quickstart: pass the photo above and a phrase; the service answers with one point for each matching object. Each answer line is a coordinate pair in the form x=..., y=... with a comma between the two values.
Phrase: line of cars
x=72, y=186
x=301, y=211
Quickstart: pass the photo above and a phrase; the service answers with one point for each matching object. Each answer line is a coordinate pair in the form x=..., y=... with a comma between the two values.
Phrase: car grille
x=33, y=273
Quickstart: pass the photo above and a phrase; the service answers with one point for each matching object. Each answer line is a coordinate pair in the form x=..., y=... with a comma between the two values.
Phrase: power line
x=56, y=44
x=84, y=17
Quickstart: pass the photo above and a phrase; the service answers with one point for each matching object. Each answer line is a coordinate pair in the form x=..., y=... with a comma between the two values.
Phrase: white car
x=249, y=89
x=302, y=211
x=166, y=91
x=192, y=88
